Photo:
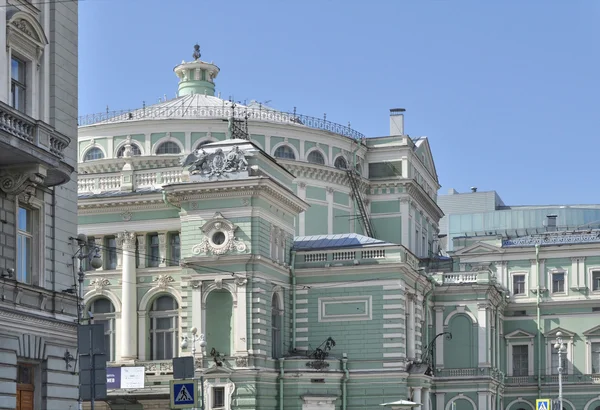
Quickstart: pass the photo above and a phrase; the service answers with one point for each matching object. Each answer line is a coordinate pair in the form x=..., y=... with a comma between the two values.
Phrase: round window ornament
x=218, y=238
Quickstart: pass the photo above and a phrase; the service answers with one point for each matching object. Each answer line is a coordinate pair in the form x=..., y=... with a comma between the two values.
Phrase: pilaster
x=196, y=286
x=542, y=275
x=141, y=244
x=329, y=197
x=405, y=215
x=440, y=400
x=301, y=192
x=240, y=332
x=483, y=334
x=534, y=277
x=410, y=328
x=162, y=249
x=439, y=343
x=426, y=398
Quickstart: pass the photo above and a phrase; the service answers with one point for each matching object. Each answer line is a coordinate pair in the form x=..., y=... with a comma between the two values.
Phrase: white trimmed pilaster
x=543, y=276
x=240, y=332
x=141, y=244
x=440, y=400
x=483, y=399
x=162, y=249
x=439, y=343
x=534, y=276
x=410, y=331
x=129, y=300
x=302, y=216
x=405, y=215
x=483, y=334
x=426, y=398
x=329, y=197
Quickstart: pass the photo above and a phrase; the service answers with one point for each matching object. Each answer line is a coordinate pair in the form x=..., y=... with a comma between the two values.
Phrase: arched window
x=597, y=408
x=275, y=328
x=340, y=163
x=93, y=154
x=164, y=324
x=315, y=157
x=168, y=148
x=135, y=150
x=285, y=152
x=102, y=312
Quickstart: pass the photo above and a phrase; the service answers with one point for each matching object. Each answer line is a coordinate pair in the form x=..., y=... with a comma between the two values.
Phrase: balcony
x=553, y=379
x=25, y=141
x=114, y=181
x=460, y=278
x=468, y=373
x=357, y=256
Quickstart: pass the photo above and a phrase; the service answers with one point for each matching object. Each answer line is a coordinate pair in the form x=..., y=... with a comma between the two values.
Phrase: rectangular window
x=520, y=358
x=153, y=251
x=90, y=249
x=175, y=250
x=519, y=284
x=111, y=253
x=596, y=358
x=218, y=400
x=596, y=280
x=554, y=361
x=24, y=245
x=18, y=88
x=558, y=282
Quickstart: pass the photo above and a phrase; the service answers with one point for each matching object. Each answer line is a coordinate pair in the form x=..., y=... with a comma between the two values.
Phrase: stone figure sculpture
x=216, y=163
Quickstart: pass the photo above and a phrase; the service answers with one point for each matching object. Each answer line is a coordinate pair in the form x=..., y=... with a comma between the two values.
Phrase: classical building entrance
x=25, y=387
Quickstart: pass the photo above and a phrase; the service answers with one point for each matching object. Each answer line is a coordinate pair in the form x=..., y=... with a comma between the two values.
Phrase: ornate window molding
x=285, y=144
x=92, y=144
x=594, y=285
x=25, y=34
x=168, y=138
x=208, y=387
x=592, y=336
x=219, y=237
x=565, y=285
x=320, y=151
x=516, y=338
x=550, y=341
x=129, y=141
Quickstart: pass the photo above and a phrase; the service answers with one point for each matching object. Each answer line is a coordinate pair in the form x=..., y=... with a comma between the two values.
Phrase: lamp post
x=560, y=347
x=195, y=338
x=95, y=261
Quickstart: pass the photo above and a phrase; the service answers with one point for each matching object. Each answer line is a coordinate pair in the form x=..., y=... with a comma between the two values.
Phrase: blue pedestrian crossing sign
x=543, y=404
x=184, y=394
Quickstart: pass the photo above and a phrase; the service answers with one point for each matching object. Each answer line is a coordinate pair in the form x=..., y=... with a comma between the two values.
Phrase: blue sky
x=507, y=91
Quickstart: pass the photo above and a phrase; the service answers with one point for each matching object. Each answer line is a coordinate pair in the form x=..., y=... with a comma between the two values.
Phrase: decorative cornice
x=418, y=194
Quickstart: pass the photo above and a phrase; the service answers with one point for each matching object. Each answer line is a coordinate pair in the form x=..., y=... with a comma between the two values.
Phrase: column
x=439, y=343
x=426, y=393
x=483, y=401
x=581, y=273
x=573, y=277
x=162, y=249
x=543, y=276
x=410, y=327
x=129, y=300
x=483, y=335
x=417, y=397
x=240, y=331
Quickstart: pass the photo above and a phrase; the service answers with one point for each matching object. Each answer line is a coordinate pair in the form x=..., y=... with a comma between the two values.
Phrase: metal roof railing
x=182, y=111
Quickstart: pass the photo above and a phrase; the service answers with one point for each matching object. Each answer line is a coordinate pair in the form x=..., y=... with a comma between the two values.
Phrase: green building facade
x=297, y=249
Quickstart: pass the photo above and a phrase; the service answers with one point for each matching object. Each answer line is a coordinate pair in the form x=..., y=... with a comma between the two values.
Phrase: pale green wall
x=219, y=321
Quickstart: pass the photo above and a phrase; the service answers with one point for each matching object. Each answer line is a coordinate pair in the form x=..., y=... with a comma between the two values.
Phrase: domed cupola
x=196, y=77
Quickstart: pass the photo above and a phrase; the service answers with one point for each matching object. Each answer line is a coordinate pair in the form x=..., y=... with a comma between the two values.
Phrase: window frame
x=518, y=338
x=153, y=331
x=38, y=223
x=341, y=158
x=93, y=148
x=172, y=261
x=282, y=147
x=111, y=318
x=591, y=271
x=18, y=83
x=276, y=325
x=209, y=387
x=110, y=252
x=526, y=369
x=316, y=152
x=25, y=237
x=161, y=144
x=134, y=146
x=512, y=284
x=153, y=261
x=567, y=338
x=551, y=274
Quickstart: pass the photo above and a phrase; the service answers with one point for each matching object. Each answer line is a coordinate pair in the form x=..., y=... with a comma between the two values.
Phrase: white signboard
x=132, y=377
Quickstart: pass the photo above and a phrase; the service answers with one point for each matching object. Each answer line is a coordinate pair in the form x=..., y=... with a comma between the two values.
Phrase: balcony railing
x=468, y=373
x=459, y=278
x=553, y=379
x=187, y=111
x=141, y=179
x=340, y=258
x=35, y=132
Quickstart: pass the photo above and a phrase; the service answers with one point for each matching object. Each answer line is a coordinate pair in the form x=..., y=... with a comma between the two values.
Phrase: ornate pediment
x=593, y=332
x=519, y=334
x=219, y=238
x=565, y=333
x=26, y=34
x=479, y=248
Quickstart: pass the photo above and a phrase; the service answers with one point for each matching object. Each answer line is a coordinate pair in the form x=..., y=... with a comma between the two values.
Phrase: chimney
x=551, y=222
x=473, y=189
x=397, y=121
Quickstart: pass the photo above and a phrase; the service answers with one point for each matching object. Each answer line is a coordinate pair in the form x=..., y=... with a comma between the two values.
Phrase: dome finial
x=196, y=54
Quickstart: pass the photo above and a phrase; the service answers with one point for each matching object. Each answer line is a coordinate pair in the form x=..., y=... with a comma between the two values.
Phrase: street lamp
x=195, y=338
x=560, y=347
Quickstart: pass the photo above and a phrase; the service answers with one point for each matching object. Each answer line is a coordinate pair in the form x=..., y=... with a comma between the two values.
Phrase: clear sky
x=506, y=90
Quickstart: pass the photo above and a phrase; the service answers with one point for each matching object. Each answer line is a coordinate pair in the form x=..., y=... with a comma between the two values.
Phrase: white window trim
x=511, y=284
x=208, y=389
x=550, y=341
x=591, y=270
x=38, y=222
x=296, y=153
x=519, y=340
x=320, y=151
x=551, y=272
x=175, y=330
x=89, y=147
x=168, y=138
x=588, y=352
x=121, y=144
